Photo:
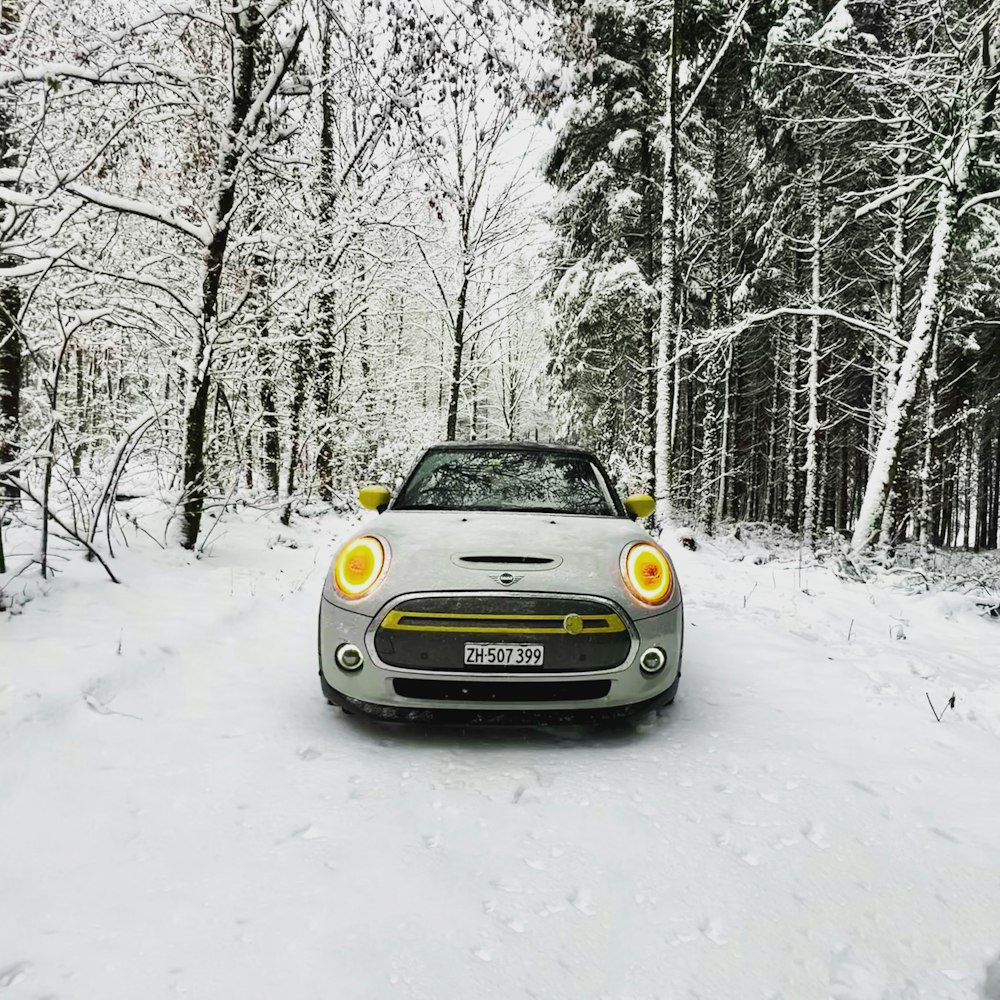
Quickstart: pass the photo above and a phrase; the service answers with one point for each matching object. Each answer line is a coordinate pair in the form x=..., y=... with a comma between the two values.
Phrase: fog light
x=349, y=657
x=653, y=660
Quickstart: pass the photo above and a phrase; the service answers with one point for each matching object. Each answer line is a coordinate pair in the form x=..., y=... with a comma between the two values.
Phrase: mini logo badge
x=573, y=624
x=506, y=579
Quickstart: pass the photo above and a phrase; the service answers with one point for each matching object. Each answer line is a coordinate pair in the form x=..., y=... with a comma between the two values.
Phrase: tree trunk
x=650, y=322
x=811, y=499
x=711, y=467
x=325, y=327
x=271, y=443
x=770, y=471
x=667, y=336
x=968, y=461
x=11, y=372
x=11, y=362
x=457, y=346
x=245, y=28
x=298, y=401
x=900, y=405
x=792, y=376
x=82, y=414
x=993, y=525
x=926, y=512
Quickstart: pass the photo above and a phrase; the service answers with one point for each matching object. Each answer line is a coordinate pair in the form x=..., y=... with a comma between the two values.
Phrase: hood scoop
x=507, y=561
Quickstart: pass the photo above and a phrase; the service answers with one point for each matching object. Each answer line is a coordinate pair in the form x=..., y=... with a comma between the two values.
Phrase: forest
x=260, y=253
x=266, y=732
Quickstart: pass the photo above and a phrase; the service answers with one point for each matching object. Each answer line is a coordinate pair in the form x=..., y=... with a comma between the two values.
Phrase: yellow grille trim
x=605, y=624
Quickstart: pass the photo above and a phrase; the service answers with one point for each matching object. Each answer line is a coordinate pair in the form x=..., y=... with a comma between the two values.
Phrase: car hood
x=469, y=550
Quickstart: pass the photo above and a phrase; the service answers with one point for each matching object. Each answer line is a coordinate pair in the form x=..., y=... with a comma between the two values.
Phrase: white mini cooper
x=506, y=582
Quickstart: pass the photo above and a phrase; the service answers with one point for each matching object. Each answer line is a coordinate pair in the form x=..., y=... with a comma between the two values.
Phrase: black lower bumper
x=499, y=716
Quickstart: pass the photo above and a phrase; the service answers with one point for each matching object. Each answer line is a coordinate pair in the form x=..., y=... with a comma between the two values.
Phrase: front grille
x=439, y=621
x=502, y=691
x=430, y=633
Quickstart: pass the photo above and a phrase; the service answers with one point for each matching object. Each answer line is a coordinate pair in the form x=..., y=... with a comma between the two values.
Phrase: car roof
x=495, y=444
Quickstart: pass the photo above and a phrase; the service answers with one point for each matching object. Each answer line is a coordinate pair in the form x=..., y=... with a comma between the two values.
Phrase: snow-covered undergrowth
x=182, y=813
x=975, y=575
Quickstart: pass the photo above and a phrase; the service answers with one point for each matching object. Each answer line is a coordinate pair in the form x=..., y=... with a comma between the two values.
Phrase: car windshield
x=507, y=479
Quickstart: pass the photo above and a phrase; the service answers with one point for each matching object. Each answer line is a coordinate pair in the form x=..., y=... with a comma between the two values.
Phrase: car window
x=507, y=479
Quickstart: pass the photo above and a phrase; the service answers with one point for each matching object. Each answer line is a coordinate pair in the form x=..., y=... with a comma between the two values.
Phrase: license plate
x=503, y=654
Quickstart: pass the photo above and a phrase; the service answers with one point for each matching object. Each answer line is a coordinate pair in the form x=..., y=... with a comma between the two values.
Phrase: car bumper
x=390, y=692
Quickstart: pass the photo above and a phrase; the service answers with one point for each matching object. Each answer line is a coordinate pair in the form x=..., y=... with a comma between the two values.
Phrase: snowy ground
x=182, y=813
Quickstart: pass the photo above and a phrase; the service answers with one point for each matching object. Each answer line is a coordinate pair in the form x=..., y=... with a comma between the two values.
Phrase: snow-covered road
x=182, y=813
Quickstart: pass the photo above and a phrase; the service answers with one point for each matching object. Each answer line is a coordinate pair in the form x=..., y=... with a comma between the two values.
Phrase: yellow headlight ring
x=634, y=557
x=359, y=565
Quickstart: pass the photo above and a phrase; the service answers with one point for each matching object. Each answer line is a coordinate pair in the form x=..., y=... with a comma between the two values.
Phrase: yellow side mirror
x=374, y=497
x=641, y=505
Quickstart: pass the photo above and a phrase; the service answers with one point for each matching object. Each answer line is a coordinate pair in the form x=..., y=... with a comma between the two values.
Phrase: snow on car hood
x=448, y=550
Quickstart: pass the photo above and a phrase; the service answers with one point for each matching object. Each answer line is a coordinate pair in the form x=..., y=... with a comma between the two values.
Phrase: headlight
x=359, y=566
x=646, y=573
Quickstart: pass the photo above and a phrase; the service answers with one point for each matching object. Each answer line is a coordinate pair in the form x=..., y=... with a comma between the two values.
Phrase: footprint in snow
x=309, y=753
x=944, y=835
x=862, y=787
x=515, y=888
x=711, y=929
x=782, y=842
x=815, y=833
x=12, y=974
x=310, y=832
x=525, y=794
x=580, y=899
x=991, y=987
x=857, y=977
